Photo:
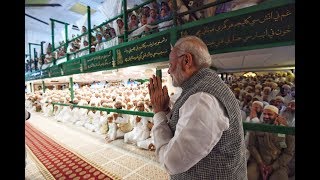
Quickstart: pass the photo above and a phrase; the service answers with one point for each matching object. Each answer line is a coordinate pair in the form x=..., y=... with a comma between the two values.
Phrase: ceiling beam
x=36, y=19
x=41, y=5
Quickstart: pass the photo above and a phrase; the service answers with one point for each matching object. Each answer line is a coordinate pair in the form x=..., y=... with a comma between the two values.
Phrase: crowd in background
x=151, y=18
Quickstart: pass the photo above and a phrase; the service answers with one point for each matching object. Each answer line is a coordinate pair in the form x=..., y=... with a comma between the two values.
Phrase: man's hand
x=253, y=113
x=268, y=171
x=262, y=167
x=280, y=121
x=159, y=96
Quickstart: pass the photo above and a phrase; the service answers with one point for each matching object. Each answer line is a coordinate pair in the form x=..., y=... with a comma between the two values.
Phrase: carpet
x=58, y=162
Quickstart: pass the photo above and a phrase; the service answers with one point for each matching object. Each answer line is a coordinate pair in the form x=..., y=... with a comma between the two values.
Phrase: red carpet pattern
x=59, y=161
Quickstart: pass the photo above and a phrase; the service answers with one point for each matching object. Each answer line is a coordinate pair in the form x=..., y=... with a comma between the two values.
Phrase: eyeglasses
x=169, y=64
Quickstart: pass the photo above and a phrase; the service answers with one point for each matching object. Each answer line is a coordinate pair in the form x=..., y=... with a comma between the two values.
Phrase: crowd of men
x=268, y=99
x=153, y=17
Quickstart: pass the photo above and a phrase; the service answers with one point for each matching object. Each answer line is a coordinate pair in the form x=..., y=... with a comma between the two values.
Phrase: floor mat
x=57, y=162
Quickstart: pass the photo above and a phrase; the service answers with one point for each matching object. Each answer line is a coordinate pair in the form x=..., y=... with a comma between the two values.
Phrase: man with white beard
x=289, y=113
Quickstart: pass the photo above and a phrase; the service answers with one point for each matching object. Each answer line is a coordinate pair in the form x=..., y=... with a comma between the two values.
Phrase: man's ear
x=188, y=60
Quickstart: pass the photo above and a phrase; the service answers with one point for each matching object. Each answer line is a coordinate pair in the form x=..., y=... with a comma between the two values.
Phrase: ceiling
x=258, y=59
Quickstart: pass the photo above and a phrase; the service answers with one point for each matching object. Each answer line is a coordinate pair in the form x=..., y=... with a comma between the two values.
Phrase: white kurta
x=140, y=132
x=201, y=116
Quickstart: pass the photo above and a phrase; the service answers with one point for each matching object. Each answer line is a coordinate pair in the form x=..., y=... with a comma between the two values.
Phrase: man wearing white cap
x=254, y=117
x=286, y=94
x=279, y=103
x=140, y=131
x=255, y=112
x=289, y=113
x=270, y=152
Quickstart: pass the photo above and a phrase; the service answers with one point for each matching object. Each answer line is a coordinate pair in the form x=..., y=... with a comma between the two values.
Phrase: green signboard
x=144, y=51
x=100, y=61
x=33, y=75
x=72, y=67
x=45, y=73
x=55, y=71
x=262, y=27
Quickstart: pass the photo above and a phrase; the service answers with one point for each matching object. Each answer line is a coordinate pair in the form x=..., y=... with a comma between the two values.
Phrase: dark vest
x=227, y=159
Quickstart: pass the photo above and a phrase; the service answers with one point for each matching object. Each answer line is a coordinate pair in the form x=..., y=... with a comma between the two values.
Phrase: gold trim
x=43, y=170
x=115, y=177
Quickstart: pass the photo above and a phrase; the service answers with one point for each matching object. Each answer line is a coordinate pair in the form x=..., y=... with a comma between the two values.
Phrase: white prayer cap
x=286, y=86
x=272, y=108
x=274, y=84
x=258, y=86
x=267, y=88
x=280, y=98
x=258, y=102
x=104, y=104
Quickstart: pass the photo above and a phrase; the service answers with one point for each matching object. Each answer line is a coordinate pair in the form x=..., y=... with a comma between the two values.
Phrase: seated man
x=122, y=123
x=140, y=131
x=254, y=117
x=270, y=152
x=148, y=144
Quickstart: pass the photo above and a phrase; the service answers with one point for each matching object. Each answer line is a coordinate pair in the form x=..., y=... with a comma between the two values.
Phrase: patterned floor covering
x=59, y=161
x=121, y=160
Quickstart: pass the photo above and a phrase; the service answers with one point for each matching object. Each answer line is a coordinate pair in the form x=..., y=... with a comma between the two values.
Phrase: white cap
x=280, y=98
x=258, y=102
x=272, y=108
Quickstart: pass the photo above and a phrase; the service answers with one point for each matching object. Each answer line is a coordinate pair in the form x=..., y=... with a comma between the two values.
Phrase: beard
x=268, y=120
x=178, y=79
x=288, y=115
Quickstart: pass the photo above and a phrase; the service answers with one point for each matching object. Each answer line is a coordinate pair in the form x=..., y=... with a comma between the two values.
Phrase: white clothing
x=61, y=114
x=202, y=120
x=112, y=132
x=99, y=46
x=28, y=104
x=103, y=124
x=145, y=143
x=140, y=131
x=246, y=137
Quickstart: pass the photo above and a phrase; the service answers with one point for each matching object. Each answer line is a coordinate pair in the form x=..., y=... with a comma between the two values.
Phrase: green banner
x=145, y=51
x=262, y=27
x=55, y=71
x=100, y=61
x=33, y=76
x=72, y=67
x=44, y=73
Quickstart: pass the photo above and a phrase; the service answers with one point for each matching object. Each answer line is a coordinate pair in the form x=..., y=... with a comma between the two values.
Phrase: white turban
x=272, y=108
x=258, y=86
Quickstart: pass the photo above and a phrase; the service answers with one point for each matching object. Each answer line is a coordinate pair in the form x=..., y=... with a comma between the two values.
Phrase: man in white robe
x=140, y=131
